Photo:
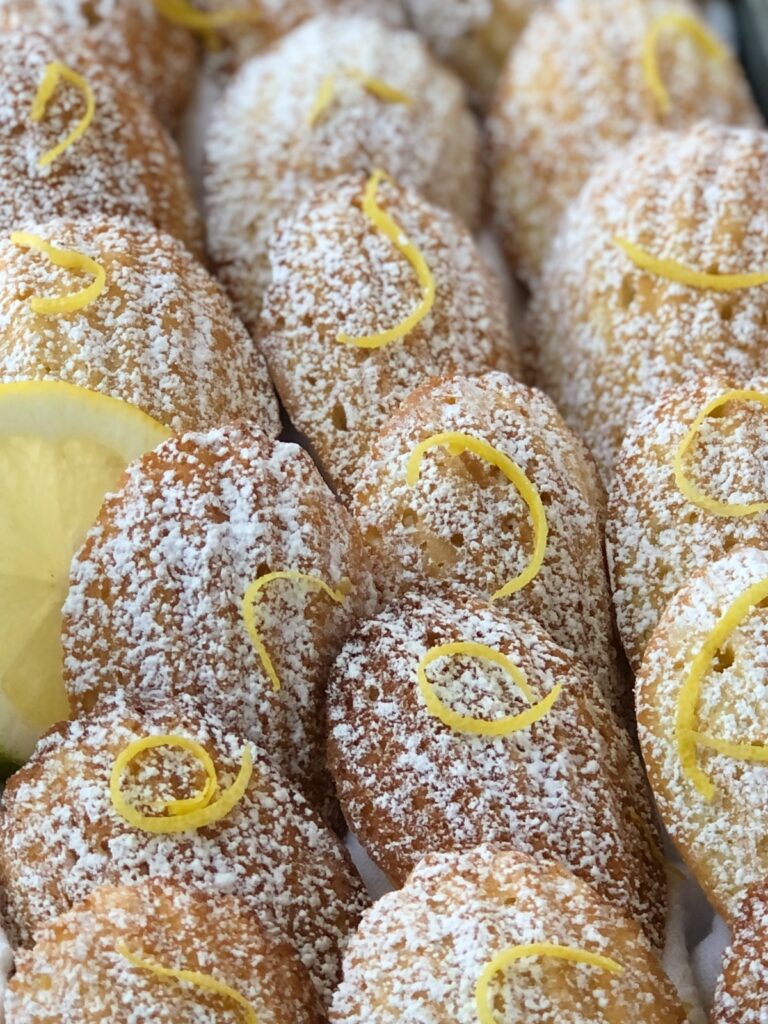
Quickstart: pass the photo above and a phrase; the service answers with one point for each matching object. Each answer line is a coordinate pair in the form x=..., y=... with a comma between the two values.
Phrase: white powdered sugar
x=742, y=993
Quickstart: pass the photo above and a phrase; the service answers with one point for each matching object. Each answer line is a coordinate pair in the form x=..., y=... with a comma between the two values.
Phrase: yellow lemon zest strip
x=678, y=272
x=481, y=726
x=513, y=953
x=181, y=12
x=682, y=24
x=687, y=489
x=378, y=87
x=394, y=233
x=323, y=100
x=457, y=443
x=203, y=981
x=738, y=751
x=182, y=815
x=686, y=734
x=248, y=610
x=51, y=77
x=69, y=260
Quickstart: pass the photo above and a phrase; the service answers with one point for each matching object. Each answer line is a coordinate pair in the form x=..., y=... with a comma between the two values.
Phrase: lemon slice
x=62, y=448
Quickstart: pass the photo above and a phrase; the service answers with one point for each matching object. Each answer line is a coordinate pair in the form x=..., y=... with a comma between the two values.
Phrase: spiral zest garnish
x=692, y=493
x=180, y=815
x=182, y=13
x=457, y=443
x=54, y=72
x=201, y=981
x=249, y=612
x=687, y=736
x=375, y=86
x=394, y=233
x=482, y=726
x=69, y=260
x=509, y=956
x=682, y=24
x=671, y=270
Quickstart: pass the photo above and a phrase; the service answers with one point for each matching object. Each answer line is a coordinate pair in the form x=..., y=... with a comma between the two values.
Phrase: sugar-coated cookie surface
x=742, y=991
x=575, y=89
x=129, y=36
x=125, y=165
x=61, y=837
x=78, y=970
x=569, y=787
x=605, y=337
x=656, y=537
x=269, y=142
x=473, y=36
x=334, y=272
x=420, y=952
x=155, y=606
x=161, y=335
x=464, y=522
x=720, y=833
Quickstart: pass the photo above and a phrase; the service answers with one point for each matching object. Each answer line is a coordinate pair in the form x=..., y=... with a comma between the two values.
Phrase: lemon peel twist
x=203, y=981
x=181, y=815
x=206, y=23
x=536, y=949
x=69, y=260
x=691, y=492
x=482, y=726
x=52, y=75
x=456, y=443
x=687, y=736
x=391, y=230
x=375, y=86
x=681, y=24
x=249, y=613
x=680, y=274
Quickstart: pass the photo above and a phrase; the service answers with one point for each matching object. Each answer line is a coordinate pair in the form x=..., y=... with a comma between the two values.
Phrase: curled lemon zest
x=687, y=736
x=481, y=726
x=678, y=272
x=378, y=87
x=206, y=23
x=394, y=233
x=681, y=24
x=692, y=493
x=323, y=100
x=69, y=260
x=53, y=73
x=457, y=443
x=202, y=981
x=514, y=953
x=248, y=610
x=181, y=815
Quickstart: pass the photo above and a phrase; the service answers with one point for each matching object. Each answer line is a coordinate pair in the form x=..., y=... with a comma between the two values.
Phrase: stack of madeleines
x=314, y=525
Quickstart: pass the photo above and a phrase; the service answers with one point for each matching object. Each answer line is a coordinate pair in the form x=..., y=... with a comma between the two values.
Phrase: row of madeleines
x=225, y=606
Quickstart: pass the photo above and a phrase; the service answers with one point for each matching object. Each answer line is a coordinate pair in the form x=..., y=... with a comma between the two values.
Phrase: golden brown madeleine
x=264, y=21
x=742, y=991
x=606, y=336
x=420, y=953
x=473, y=38
x=688, y=482
x=173, y=592
x=62, y=836
x=114, y=950
x=464, y=521
x=419, y=767
x=330, y=99
x=340, y=286
x=161, y=334
x=123, y=165
x=129, y=36
x=703, y=721
x=577, y=87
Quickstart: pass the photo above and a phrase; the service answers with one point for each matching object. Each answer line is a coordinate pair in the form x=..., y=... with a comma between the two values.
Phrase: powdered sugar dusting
x=742, y=993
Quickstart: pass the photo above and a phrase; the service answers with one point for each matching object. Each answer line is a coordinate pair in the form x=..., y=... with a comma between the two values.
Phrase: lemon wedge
x=62, y=448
